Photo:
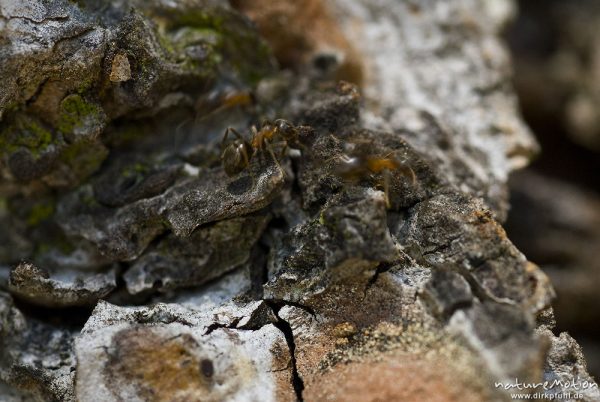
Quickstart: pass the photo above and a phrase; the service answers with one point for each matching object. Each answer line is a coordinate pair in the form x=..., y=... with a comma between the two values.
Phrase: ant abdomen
x=235, y=157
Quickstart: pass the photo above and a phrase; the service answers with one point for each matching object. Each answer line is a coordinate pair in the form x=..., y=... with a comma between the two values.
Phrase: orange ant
x=237, y=155
x=357, y=167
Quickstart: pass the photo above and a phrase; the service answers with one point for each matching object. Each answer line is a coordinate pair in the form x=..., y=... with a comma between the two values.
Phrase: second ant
x=362, y=164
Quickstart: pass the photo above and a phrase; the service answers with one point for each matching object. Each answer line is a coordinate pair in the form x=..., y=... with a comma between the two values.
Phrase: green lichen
x=229, y=42
x=40, y=212
x=74, y=111
x=176, y=44
x=25, y=132
x=86, y=84
x=201, y=18
x=40, y=139
x=188, y=36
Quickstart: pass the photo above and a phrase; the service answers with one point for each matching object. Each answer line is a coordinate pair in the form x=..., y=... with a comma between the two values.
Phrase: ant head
x=266, y=123
x=286, y=129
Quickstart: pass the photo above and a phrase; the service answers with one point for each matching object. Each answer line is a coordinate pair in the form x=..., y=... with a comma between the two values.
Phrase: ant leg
x=237, y=134
x=237, y=98
x=405, y=170
x=282, y=144
x=246, y=157
x=299, y=145
x=199, y=118
x=270, y=149
x=241, y=138
x=234, y=131
x=254, y=138
x=247, y=163
x=225, y=134
x=283, y=151
x=386, y=187
x=408, y=172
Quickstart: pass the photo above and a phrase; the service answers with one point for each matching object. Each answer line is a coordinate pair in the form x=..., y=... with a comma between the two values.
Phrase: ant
x=354, y=168
x=237, y=155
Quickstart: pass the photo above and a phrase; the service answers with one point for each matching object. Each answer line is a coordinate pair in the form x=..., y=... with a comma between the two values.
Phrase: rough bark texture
x=285, y=281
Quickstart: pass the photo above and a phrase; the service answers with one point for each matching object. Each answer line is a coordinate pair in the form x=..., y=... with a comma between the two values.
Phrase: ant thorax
x=266, y=132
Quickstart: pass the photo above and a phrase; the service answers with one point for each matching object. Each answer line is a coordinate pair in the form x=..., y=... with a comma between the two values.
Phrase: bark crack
x=286, y=329
x=280, y=303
